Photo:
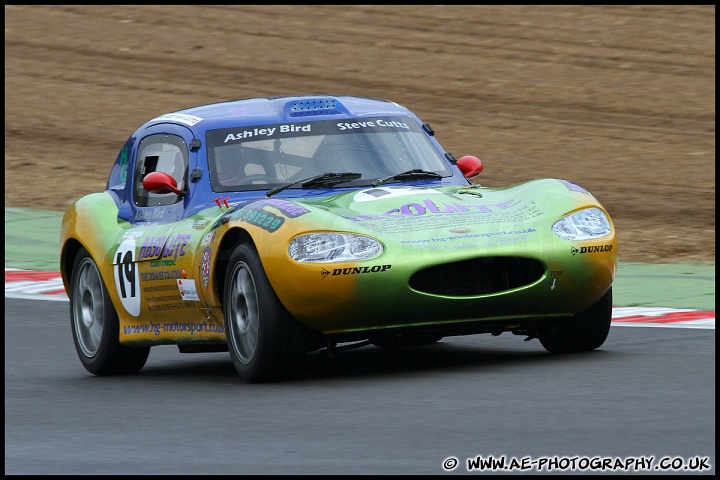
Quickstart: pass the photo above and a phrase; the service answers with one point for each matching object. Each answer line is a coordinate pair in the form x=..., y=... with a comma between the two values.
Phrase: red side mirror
x=470, y=166
x=160, y=182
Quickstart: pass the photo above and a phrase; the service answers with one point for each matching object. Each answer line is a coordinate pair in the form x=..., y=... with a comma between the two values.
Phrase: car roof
x=282, y=109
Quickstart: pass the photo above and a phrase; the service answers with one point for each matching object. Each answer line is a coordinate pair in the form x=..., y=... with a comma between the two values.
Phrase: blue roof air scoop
x=315, y=106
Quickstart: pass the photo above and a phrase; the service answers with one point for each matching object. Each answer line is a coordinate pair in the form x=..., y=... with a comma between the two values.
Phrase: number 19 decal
x=127, y=278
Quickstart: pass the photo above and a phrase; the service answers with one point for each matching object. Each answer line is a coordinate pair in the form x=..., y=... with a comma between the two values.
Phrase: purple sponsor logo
x=575, y=188
x=289, y=209
x=164, y=246
x=416, y=209
x=152, y=247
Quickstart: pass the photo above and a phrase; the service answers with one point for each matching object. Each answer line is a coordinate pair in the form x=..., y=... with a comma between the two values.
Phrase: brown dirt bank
x=620, y=99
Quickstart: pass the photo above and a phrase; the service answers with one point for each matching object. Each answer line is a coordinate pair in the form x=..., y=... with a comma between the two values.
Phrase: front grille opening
x=480, y=276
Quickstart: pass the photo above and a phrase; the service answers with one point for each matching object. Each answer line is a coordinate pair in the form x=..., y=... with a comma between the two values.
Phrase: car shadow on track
x=443, y=357
x=447, y=356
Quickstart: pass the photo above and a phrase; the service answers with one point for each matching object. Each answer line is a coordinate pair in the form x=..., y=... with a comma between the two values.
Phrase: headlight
x=333, y=247
x=583, y=225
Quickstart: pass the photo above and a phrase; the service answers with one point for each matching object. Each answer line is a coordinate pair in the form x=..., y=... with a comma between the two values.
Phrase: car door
x=155, y=274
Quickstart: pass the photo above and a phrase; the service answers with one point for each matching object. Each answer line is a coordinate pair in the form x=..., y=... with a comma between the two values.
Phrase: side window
x=160, y=153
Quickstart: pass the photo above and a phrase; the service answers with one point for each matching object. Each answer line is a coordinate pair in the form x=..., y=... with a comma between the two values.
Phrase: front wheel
x=95, y=325
x=585, y=331
x=265, y=342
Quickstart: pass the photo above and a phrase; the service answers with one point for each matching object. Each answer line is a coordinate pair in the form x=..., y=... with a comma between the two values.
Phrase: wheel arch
x=231, y=239
x=68, y=254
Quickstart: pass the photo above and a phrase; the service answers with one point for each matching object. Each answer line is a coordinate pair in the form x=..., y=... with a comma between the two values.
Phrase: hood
x=417, y=211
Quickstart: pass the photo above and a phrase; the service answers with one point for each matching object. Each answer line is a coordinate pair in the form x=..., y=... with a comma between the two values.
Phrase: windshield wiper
x=326, y=179
x=414, y=174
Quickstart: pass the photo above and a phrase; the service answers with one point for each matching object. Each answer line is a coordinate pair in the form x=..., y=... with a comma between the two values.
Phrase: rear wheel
x=265, y=342
x=95, y=325
x=586, y=331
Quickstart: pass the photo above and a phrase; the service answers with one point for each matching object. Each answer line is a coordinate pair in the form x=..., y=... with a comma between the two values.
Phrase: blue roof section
x=269, y=110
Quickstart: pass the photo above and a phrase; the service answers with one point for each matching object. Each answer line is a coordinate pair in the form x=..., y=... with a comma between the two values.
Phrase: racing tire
x=266, y=343
x=585, y=331
x=95, y=324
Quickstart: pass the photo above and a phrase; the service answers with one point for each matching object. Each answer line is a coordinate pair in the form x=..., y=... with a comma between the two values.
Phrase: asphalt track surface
x=648, y=392
x=647, y=395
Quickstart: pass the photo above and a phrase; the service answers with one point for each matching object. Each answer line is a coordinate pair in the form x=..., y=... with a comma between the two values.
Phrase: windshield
x=262, y=157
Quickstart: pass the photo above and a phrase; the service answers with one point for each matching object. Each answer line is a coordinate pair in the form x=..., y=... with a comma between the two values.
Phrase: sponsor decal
x=522, y=235
x=205, y=267
x=162, y=263
x=208, y=238
x=417, y=209
x=187, y=289
x=133, y=234
x=591, y=249
x=169, y=297
x=267, y=132
x=287, y=208
x=176, y=247
x=198, y=224
x=152, y=247
x=258, y=217
x=575, y=188
x=427, y=245
x=163, y=275
x=171, y=327
x=178, y=117
x=356, y=270
x=164, y=246
x=158, y=288
x=148, y=214
x=328, y=127
x=395, y=124
x=412, y=218
x=379, y=123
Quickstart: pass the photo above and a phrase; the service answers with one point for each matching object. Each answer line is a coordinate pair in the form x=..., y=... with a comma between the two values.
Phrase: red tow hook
x=223, y=200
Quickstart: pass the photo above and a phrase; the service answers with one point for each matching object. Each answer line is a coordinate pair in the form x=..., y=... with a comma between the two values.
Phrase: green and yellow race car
x=276, y=227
